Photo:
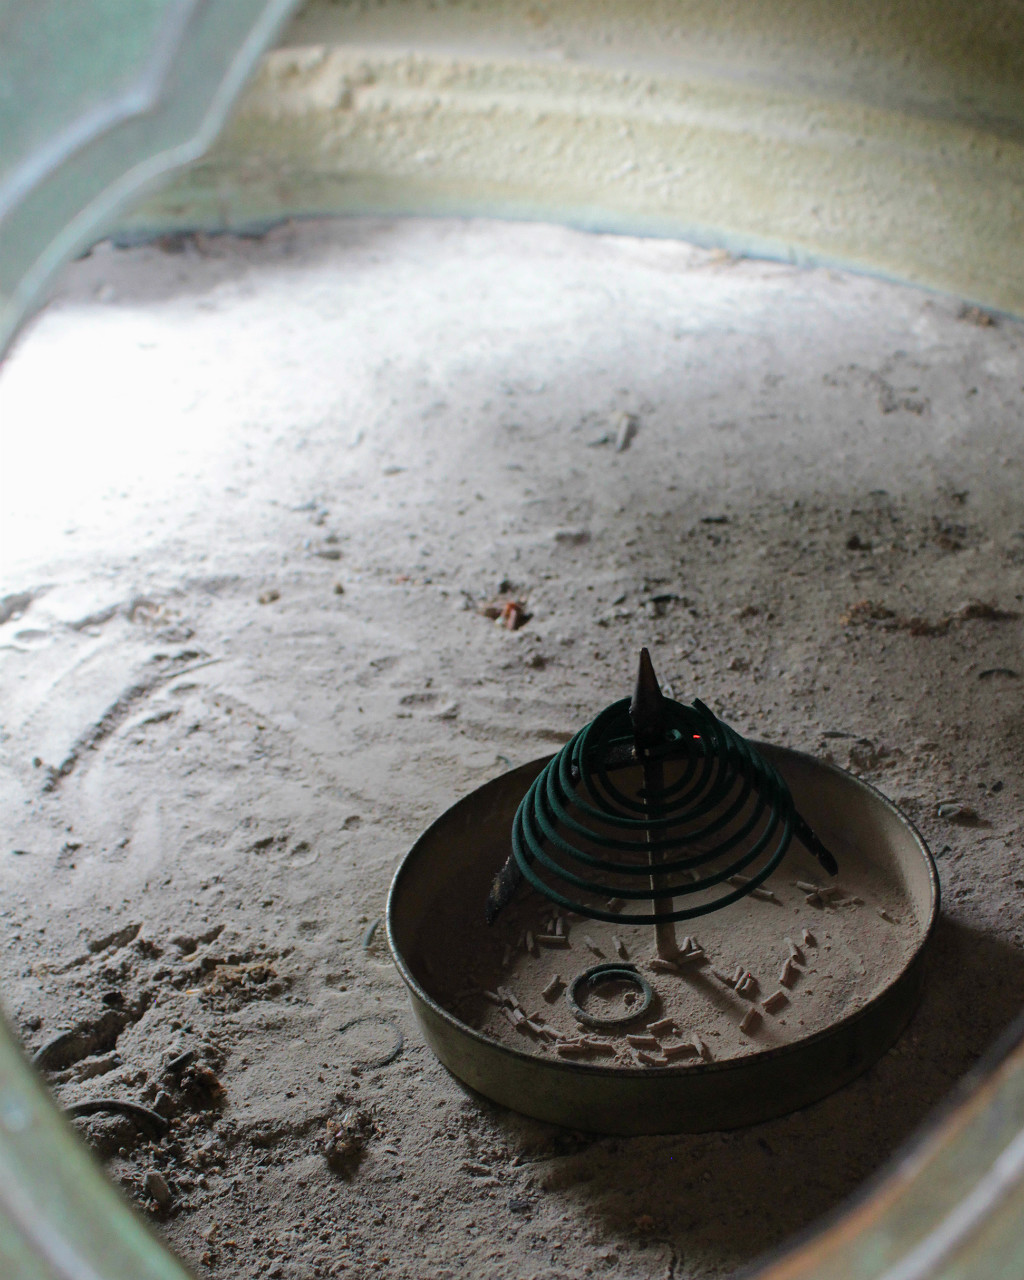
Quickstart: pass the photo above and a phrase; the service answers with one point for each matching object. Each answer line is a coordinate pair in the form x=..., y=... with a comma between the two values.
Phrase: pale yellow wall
x=885, y=136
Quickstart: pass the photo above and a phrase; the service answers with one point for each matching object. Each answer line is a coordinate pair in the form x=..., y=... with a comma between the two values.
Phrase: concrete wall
x=885, y=135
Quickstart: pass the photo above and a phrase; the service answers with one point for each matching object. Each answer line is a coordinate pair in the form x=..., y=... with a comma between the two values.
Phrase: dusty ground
x=252, y=494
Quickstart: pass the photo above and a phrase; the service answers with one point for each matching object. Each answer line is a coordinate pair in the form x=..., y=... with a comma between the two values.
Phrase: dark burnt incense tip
x=647, y=710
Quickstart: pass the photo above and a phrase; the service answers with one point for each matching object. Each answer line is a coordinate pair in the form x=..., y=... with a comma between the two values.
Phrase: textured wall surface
x=883, y=136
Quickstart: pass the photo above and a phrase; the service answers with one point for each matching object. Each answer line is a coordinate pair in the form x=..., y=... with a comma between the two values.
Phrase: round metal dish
x=445, y=878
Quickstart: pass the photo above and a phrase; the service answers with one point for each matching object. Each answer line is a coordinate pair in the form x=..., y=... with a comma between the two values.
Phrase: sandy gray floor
x=370, y=427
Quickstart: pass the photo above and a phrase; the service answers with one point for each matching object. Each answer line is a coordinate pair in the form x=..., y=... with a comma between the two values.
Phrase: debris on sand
x=510, y=614
x=626, y=426
x=975, y=315
x=871, y=611
x=234, y=984
x=346, y=1139
x=964, y=814
x=176, y=1065
x=203, y=1085
x=984, y=610
x=146, y=1117
x=866, y=611
x=553, y=987
x=156, y=1186
x=776, y=1001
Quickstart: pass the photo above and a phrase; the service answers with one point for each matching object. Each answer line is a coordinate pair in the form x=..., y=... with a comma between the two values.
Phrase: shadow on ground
x=720, y=1200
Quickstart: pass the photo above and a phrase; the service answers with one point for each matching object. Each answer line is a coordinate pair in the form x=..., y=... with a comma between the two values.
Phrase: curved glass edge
x=124, y=124
x=59, y=1215
x=98, y=102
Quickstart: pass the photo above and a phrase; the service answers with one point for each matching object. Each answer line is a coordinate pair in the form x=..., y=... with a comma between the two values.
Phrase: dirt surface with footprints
x=305, y=537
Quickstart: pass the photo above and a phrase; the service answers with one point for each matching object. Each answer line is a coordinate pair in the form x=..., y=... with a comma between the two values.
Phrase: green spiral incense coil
x=651, y=803
x=723, y=823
